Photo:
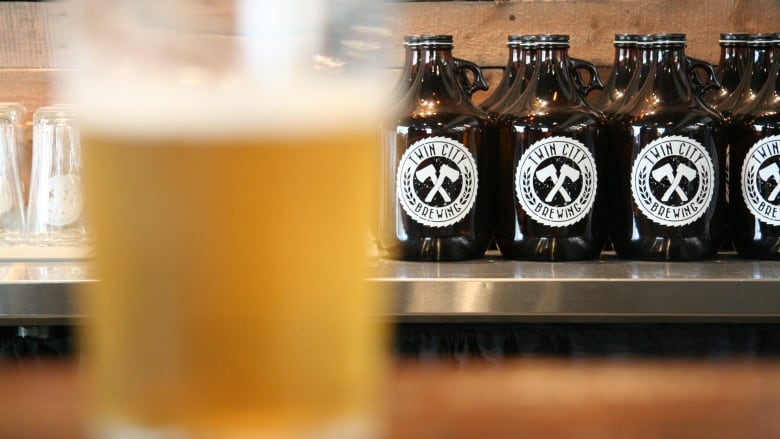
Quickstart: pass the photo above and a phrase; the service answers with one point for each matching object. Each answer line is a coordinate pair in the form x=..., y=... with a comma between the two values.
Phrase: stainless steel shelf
x=492, y=289
x=41, y=285
x=35, y=291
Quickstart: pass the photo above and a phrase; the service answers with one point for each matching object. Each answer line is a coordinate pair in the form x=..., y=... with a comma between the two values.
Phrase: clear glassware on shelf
x=55, y=212
x=12, y=221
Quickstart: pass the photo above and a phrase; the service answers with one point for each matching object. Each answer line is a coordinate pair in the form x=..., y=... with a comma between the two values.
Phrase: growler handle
x=577, y=65
x=469, y=87
x=699, y=87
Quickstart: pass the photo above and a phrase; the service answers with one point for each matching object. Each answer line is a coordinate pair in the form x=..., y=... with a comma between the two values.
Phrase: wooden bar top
x=511, y=399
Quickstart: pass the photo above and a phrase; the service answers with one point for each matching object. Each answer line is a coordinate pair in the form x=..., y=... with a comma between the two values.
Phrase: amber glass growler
x=411, y=66
x=551, y=184
x=755, y=170
x=623, y=68
x=409, y=69
x=761, y=56
x=667, y=161
x=438, y=159
x=522, y=54
x=645, y=53
x=731, y=66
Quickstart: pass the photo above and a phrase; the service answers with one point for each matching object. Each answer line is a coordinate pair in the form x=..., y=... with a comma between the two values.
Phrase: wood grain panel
x=36, y=35
x=32, y=87
x=480, y=28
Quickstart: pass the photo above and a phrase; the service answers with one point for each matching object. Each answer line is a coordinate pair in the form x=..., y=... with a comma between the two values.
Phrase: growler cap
x=626, y=39
x=552, y=40
x=436, y=40
x=521, y=40
x=644, y=40
x=760, y=39
x=733, y=39
x=671, y=40
x=410, y=40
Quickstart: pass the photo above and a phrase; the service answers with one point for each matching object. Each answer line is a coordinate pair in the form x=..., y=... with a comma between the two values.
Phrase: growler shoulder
x=579, y=117
x=767, y=119
x=681, y=117
x=445, y=120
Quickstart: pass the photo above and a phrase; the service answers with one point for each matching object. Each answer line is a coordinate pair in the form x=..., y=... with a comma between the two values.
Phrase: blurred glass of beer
x=229, y=174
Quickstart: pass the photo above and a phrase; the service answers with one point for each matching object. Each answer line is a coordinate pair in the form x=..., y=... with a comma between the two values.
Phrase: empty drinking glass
x=54, y=214
x=11, y=205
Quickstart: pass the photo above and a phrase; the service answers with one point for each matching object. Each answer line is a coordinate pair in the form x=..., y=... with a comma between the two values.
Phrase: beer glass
x=229, y=156
x=56, y=207
x=12, y=226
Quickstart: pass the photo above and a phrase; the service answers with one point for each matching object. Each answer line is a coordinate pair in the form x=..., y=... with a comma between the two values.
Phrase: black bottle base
x=767, y=248
x=551, y=249
x=439, y=249
x=664, y=248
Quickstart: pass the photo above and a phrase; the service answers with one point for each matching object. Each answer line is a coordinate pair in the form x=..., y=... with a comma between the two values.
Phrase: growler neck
x=437, y=80
x=761, y=64
x=553, y=61
x=767, y=101
x=670, y=55
x=625, y=55
x=668, y=80
x=515, y=63
x=624, y=66
x=645, y=61
x=731, y=67
x=552, y=84
x=760, y=54
x=551, y=53
x=521, y=50
x=753, y=78
x=529, y=63
x=411, y=62
x=733, y=55
x=435, y=51
x=515, y=71
x=516, y=54
x=626, y=59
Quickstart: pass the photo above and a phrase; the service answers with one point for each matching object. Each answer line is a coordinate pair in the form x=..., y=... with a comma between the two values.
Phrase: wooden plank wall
x=480, y=28
x=35, y=50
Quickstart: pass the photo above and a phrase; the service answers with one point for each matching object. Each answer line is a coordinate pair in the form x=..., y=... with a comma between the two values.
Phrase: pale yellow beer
x=232, y=300
x=229, y=169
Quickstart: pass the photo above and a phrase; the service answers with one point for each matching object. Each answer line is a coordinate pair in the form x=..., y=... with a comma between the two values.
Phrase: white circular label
x=64, y=200
x=437, y=181
x=672, y=181
x=555, y=181
x=761, y=180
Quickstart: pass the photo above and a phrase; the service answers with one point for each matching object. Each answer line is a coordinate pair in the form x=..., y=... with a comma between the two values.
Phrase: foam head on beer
x=229, y=168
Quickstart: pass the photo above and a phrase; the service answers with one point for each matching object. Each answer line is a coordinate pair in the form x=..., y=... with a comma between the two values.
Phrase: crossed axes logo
x=438, y=178
x=558, y=179
x=674, y=177
x=771, y=172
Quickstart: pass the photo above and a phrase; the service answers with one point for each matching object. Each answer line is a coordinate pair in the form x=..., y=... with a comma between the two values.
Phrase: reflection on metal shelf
x=44, y=303
x=41, y=285
x=23, y=253
x=43, y=291
x=493, y=289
